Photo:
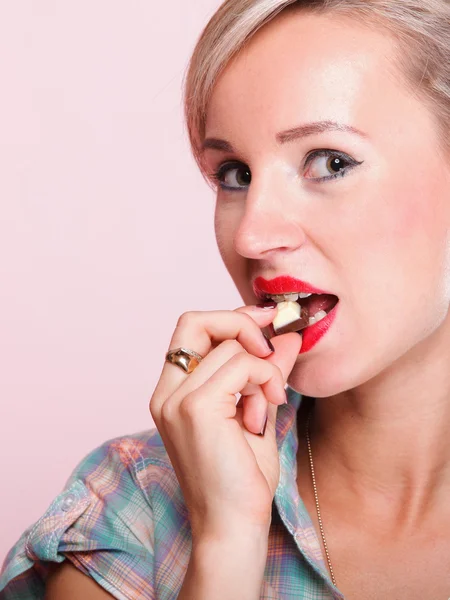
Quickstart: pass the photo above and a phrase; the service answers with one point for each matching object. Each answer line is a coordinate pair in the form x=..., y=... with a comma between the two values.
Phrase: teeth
x=291, y=297
x=317, y=317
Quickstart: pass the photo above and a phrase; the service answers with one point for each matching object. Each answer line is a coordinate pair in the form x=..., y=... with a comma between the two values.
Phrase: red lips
x=283, y=285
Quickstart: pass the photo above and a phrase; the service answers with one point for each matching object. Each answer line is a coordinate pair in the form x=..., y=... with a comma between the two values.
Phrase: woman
x=325, y=126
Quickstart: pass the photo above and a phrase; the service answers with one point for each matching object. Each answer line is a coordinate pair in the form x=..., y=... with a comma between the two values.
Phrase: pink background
x=106, y=230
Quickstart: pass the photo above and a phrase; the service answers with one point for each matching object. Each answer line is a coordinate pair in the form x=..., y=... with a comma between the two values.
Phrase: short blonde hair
x=421, y=29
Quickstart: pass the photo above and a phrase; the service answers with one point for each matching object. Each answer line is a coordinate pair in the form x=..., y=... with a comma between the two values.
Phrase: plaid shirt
x=121, y=519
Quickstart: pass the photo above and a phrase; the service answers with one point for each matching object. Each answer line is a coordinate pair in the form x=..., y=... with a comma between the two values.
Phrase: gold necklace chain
x=316, y=498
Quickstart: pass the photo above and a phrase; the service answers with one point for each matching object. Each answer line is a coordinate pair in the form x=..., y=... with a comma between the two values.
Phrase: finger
x=255, y=410
x=162, y=408
x=254, y=404
x=208, y=328
x=230, y=378
x=208, y=366
x=287, y=350
x=199, y=331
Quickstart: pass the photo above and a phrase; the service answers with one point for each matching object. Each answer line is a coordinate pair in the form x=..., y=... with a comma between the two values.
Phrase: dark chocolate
x=296, y=325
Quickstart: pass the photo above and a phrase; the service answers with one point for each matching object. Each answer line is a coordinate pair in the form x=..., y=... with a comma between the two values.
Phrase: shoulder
x=135, y=450
x=134, y=453
x=112, y=521
x=132, y=490
x=135, y=466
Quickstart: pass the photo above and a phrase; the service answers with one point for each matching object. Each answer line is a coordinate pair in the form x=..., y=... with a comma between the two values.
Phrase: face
x=364, y=216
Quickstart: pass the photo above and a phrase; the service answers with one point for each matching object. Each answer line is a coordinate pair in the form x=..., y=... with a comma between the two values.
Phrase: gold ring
x=184, y=358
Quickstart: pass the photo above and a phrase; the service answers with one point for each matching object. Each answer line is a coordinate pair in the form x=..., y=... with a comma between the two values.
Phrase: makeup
x=302, y=308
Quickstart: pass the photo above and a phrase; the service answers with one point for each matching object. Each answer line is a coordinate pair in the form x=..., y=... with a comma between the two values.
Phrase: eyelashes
x=220, y=175
x=339, y=160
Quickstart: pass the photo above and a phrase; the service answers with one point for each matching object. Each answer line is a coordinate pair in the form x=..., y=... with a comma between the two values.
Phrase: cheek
x=403, y=262
x=225, y=223
x=415, y=224
x=223, y=232
x=401, y=226
x=384, y=238
x=415, y=211
x=422, y=231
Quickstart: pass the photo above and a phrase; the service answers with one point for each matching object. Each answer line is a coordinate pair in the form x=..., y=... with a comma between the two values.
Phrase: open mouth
x=296, y=311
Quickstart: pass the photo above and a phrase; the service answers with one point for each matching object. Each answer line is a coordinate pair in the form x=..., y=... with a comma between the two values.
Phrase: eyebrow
x=290, y=135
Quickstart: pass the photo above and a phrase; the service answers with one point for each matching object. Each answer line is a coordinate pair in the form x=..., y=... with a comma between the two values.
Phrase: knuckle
x=249, y=321
x=277, y=371
x=247, y=324
x=189, y=406
x=168, y=411
x=244, y=360
x=153, y=408
x=233, y=346
x=243, y=315
x=251, y=324
x=186, y=318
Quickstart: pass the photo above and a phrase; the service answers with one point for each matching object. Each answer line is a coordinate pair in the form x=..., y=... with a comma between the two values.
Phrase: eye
x=233, y=176
x=328, y=164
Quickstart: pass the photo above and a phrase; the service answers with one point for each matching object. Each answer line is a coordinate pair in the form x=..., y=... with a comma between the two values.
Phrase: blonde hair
x=421, y=29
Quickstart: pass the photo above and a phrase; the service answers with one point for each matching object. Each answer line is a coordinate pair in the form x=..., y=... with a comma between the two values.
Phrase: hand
x=227, y=471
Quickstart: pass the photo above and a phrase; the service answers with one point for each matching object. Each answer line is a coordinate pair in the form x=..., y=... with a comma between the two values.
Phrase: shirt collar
x=287, y=499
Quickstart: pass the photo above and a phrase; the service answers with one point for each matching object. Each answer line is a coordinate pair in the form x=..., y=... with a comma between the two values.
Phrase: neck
x=387, y=443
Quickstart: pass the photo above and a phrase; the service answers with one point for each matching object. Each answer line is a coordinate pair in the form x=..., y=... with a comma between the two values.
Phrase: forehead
x=304, y=67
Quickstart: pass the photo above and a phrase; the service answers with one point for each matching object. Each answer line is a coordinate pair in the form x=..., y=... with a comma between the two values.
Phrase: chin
x=324, y=380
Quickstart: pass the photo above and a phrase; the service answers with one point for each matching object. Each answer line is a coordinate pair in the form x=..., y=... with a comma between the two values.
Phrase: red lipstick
x=313, y=333
x=285, y=284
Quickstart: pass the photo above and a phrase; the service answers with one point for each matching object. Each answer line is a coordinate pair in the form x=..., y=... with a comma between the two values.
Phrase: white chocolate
x=287, y=313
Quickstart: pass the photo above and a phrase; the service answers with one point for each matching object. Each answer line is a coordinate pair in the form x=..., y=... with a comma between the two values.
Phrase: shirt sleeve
x=102, y=522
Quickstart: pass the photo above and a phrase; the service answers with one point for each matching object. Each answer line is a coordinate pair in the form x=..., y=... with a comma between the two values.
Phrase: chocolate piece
x=290, y=317
x=293, y=325
x=288, y=311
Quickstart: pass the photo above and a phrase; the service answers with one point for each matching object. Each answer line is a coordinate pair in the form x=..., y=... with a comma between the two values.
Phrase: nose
x=270, y=222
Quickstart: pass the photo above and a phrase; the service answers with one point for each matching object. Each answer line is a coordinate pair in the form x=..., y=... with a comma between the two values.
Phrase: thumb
x=287, y=348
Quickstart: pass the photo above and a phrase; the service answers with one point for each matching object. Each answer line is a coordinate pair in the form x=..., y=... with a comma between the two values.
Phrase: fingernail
x=267, y=305
x=269, y=343
x=263, y=430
